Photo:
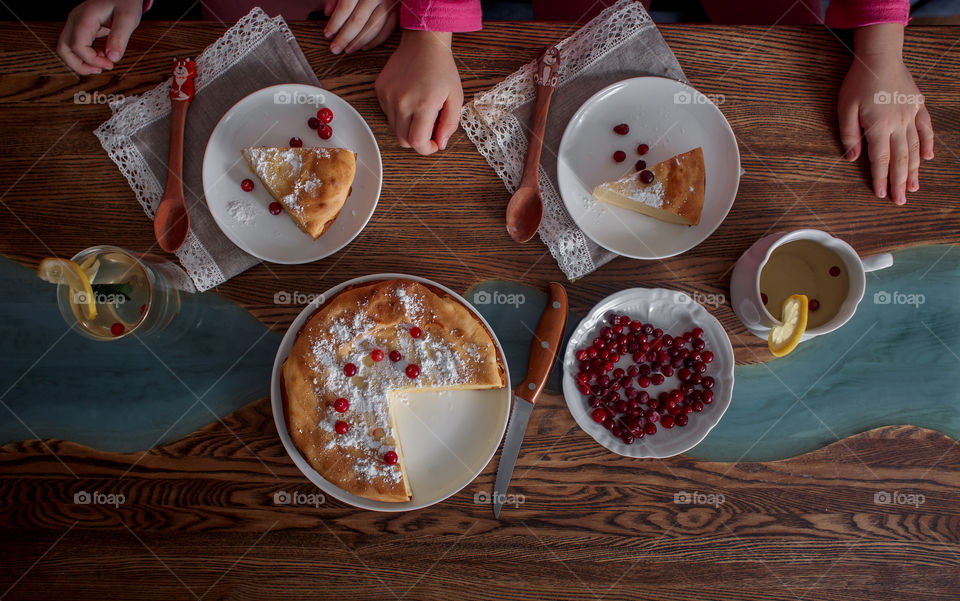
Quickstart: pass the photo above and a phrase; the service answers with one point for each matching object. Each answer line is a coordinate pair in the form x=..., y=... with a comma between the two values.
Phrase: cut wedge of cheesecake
x=312, y=184
x=675, y=195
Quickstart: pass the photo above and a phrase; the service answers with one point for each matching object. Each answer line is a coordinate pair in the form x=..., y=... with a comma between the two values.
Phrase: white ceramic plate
x=668, y=116
x=448, y=438
x=675, y=313
x=270, y=117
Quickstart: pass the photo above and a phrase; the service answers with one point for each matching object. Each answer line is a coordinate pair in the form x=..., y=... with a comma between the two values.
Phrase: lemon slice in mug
x=55, y=271
x=793, y=323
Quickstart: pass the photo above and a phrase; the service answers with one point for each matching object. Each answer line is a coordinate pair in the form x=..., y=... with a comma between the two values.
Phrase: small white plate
x=448, y=438
x=270, y=117
x=675, y=313
x=668, y=116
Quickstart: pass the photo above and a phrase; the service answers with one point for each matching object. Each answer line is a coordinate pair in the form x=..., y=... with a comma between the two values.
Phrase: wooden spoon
x=172, y=221
x=525, y=209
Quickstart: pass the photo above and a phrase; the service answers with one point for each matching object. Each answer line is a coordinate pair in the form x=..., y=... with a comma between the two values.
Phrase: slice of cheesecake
x=311, y=184
x=674, y=195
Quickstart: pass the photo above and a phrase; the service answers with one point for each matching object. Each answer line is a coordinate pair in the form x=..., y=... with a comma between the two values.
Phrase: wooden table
x=199, y=519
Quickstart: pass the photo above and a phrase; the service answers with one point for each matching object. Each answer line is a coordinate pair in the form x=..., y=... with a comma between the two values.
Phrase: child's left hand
x=880, y=97
x=360, y=24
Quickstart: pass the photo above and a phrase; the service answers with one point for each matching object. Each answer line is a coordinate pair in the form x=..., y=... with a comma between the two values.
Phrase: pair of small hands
x=419, y=87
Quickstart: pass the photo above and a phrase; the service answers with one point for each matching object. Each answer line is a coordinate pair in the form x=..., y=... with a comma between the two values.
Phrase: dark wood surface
x=199, y=519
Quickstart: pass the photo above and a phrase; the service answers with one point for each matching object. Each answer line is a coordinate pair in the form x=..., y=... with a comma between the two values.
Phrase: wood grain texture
x=199, y=519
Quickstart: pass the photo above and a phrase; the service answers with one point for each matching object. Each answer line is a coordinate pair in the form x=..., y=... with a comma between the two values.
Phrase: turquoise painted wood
x=896, y=362
x=124, y=395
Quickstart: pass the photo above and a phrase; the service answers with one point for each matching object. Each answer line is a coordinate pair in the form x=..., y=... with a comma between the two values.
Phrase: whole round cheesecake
x=355, y=354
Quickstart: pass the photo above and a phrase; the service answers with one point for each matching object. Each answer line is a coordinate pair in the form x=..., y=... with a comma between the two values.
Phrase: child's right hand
x=419, y=90
x=114, y=19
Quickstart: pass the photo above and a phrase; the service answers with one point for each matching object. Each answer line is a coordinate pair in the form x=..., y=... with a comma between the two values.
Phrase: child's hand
x=419, y=90
x=359, y=24
x=113, y=19
x=880, y=97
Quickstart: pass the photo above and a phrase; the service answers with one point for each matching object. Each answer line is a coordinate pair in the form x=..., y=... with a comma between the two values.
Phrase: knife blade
x=543, y=354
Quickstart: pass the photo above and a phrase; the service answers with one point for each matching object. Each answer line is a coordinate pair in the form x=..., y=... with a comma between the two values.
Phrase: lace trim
x=136, y=112
x=500, y=137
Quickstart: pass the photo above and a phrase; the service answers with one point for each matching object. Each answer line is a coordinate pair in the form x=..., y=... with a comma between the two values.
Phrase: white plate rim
x=237, y=240
x=276, y=402
x=576, y=403
x=564, y=140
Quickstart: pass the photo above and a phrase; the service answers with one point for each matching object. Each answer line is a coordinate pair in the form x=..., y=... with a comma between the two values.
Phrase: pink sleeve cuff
x=849, y=14
x=441, y=15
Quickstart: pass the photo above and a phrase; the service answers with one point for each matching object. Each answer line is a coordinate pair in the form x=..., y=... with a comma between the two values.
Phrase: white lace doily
x=133, y=113
x=491, y=124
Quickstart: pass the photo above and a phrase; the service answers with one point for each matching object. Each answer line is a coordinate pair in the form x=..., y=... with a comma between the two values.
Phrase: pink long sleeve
x=441, y=15
x=847, y=14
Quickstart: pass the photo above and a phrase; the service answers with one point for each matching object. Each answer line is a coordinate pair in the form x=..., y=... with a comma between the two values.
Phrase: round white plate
x=270, y=117
x=668, y=116
x=675, y=313
x=448, y=438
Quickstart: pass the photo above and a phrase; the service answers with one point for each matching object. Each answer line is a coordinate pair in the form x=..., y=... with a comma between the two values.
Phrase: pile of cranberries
x=342, y=405
x=619, y=156
x=617, y=395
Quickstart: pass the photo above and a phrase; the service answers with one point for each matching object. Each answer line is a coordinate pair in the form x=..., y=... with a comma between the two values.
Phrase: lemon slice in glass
x=793, y=323
x=63, y=270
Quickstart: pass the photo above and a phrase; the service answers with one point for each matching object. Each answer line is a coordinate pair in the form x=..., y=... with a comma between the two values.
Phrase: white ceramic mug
x=745, y=281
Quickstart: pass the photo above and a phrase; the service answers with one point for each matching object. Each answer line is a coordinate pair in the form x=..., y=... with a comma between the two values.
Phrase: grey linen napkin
x=257, y=52
x=621, y=42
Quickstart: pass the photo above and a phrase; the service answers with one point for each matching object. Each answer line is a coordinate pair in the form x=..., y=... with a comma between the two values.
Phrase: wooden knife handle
x=546, y=344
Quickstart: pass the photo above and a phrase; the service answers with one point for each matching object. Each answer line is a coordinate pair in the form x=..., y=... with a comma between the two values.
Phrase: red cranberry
x=657, y=333
x=763, y=297
x=697, y=332
x=657, y=379
x=595, y=401
x=650, y=428
x=275, y=208
x=707, y=357
x=390, y=457
x=667, y=370
x=642, y=149
x=646, y=176
x=624, y=320
x=313, y=123
x=697, y=406
x=619, y=156
x=246, y=185
x=341, y=405
x=617, y=431
x=627, y=438
x=644, y=381
x=415, y=332
x=681, y=420
x=608, y=424
x=814, y=305
x=592, y=352
x=582, y=355
x=395, y=355
x=699, y=344
x=835, y=271
x=620, y=406
x=667, y=421
x=614, y=357
x=707, y=397
x=644, y=370
x=325, y=115
x=377, y=355
x=651, y=416
x=296, y=142
x=622, y=129
x=341, y=427
x=324, y=131
x=349, y=370
x=584, y=389
x=412, y=371
x=707, y=382
x=636, y=326
x=117, y=328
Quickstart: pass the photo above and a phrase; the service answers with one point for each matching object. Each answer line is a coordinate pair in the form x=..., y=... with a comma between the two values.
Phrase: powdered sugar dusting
x=243, y=211
x=441, y=365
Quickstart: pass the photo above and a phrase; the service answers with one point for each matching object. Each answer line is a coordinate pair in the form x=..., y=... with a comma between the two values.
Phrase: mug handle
x=875, y=262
